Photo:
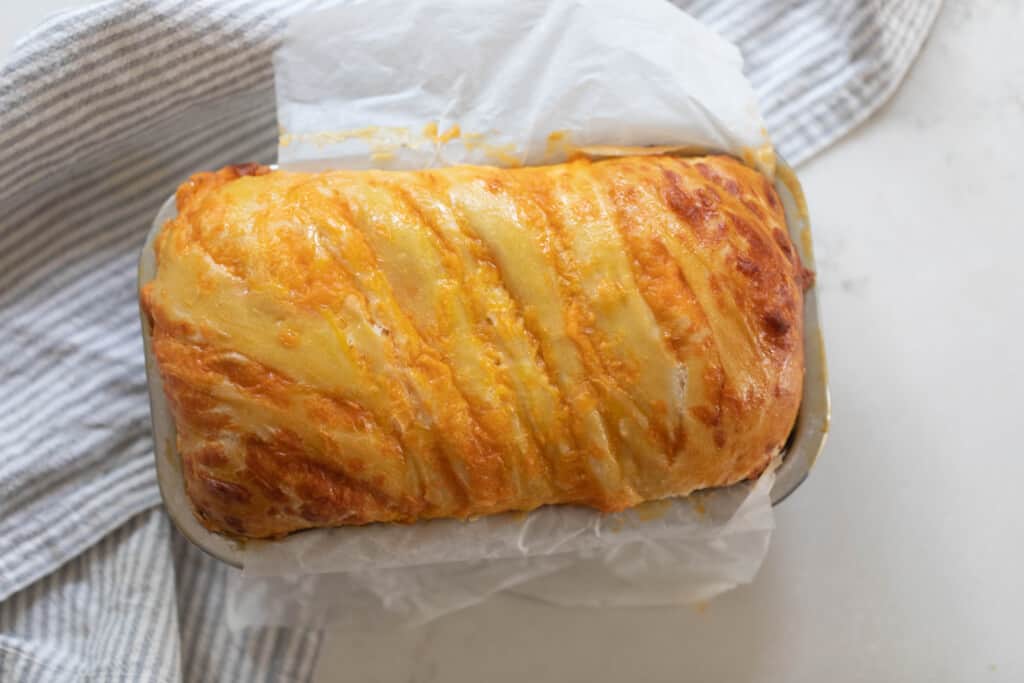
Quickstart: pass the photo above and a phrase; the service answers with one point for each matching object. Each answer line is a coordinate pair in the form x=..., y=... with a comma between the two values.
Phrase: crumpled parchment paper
x=392, y=84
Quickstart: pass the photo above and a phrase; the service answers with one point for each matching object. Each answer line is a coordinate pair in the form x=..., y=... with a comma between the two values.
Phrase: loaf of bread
x=351, y=347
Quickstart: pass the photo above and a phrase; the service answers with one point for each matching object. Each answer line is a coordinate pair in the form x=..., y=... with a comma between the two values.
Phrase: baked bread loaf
x=369, y=346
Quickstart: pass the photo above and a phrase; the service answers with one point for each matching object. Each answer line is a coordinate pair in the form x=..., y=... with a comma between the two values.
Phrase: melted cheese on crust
x=353, y=347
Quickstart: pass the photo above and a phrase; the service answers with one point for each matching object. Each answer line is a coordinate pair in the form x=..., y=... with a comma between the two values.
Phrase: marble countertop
x=902, y=556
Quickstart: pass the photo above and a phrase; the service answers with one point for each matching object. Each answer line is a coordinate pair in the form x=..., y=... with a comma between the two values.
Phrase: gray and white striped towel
x=103, y=111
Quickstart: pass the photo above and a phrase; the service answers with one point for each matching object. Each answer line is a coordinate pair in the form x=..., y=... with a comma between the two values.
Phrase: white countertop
x=902, y=556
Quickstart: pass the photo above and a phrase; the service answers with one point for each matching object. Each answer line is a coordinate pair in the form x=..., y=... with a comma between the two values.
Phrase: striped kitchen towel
x=103, y=111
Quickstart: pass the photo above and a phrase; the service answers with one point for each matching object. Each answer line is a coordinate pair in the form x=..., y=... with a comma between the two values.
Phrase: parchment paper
x=392, y=84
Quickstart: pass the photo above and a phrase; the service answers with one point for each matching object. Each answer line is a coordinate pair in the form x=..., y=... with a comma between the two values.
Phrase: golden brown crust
x=353, y=347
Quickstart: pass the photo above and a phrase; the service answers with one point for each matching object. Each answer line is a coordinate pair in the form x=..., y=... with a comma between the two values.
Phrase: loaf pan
x=798, y=456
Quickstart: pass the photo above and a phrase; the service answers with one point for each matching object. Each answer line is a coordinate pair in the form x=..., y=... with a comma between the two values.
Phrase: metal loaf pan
x=805, y=442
